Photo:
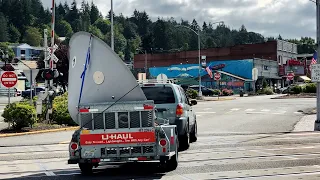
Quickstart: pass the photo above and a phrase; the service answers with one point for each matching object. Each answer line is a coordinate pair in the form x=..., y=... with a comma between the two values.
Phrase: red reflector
x=147, y=107
x=74, y=146
x=172, y=140
x=142, y=158
x=163, y=142
x=164, y=149
x=95, y=160
x=84, y=110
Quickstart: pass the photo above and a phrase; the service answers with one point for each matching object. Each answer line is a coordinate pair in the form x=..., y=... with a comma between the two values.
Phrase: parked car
x=173, y=104
x=35, y=91
x=205, y=91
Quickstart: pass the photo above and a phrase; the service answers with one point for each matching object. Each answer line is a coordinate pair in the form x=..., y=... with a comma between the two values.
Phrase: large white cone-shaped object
x=107, y=78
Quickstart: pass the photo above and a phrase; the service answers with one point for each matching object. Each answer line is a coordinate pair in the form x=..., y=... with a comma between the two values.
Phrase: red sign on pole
x=217, y=76
x=290, y=76
x=9, y=79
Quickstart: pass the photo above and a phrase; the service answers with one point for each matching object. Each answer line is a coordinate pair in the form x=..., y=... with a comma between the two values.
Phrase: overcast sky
x=290, y=18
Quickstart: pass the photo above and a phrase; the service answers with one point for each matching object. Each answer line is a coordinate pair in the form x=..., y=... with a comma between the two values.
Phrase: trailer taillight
x=74, y=146
x=163, y=142
x=179, y=110
x=147, y=107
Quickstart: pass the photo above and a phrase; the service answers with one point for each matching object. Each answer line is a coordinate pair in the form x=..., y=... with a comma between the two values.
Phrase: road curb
x=221, y=99
x=38, y=132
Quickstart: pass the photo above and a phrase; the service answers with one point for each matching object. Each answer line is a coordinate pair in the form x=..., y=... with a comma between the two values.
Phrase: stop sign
x=217, y=76
x=9, y=79
x=290, y=76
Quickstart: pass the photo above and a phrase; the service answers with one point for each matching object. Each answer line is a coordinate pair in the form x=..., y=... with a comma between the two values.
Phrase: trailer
x=114, y=126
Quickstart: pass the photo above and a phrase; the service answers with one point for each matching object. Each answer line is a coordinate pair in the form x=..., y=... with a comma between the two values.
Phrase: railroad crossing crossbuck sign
x=217, y=76
x=51, y=53
x=9, y=79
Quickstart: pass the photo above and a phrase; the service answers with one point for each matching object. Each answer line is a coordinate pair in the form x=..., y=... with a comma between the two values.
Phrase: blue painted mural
x=241, y=68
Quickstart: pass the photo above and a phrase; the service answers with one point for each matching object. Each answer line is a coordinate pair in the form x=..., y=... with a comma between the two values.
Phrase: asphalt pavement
x=247, y=138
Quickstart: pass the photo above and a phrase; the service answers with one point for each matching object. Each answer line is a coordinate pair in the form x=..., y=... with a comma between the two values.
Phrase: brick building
x=277, y=50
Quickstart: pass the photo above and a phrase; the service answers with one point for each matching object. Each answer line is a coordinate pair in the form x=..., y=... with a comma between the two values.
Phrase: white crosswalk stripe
x=246, y=111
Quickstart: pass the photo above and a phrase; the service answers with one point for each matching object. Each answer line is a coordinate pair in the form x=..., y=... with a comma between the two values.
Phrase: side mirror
x=193, y=102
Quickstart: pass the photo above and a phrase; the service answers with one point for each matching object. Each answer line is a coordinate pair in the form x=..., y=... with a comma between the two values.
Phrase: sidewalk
x=306, y=123
x=221, y=98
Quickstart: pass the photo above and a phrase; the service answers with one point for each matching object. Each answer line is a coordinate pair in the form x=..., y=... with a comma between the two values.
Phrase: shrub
x=20, y=115
x=310, y=88
x=216, y=91
x=191, y=93
x=268, y=91
x=60, y=113
x=296, y=89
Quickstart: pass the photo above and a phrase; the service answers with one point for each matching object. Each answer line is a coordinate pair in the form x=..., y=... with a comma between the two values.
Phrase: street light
x=199, y=49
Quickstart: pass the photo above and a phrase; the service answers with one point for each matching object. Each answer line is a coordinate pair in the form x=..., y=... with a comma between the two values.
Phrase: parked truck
x=117, y=122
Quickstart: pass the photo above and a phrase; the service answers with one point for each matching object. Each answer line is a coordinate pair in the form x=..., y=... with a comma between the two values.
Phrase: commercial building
x=236, y=74
x=277, y=50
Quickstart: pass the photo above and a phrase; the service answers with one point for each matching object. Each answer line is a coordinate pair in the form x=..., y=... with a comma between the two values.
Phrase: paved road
x=258, y=114
x=256, y=156
x=237, y=140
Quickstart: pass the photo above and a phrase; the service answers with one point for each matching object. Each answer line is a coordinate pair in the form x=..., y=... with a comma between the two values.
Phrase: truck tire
x=194, y=134
x=86, y=168
x=184, y=141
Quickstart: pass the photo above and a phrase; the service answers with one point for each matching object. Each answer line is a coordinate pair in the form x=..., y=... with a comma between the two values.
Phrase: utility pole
x=145, y=61
x=317, y=123
x=200, y=68
x=112, y=35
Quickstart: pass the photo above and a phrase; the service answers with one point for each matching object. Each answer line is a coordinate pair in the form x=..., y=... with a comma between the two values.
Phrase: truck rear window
x=160, y=95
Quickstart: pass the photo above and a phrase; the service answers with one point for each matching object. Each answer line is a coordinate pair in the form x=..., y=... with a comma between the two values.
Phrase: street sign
x=162, y=78
x=217, y=76
x=315, y=72
x=254, y=74
x=9, y=79
x=290, y=76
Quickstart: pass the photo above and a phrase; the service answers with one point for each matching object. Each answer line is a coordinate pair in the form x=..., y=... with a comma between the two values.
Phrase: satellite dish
x=162, y=78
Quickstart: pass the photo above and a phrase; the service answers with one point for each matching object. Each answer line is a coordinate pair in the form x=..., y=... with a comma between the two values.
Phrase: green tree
x=96, y=31
x=3, y=29
x=63, y=29
x=103, y=24
x=94, y=13
x=33, y=36
x=14, y=34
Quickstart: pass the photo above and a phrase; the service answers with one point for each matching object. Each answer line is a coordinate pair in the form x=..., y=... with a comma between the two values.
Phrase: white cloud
x=290, y=18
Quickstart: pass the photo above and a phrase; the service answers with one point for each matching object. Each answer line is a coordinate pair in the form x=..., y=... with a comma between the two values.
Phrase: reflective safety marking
x=171, y=137
x=104, y=160
x=133, y=159
x=93, y=110
x=139, y=108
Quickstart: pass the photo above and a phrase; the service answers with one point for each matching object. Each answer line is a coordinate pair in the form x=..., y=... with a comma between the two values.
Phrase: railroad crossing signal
x=217, y=76
x=51, y=54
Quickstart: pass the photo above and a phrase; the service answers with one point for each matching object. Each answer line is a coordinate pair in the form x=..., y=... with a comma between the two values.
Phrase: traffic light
x=48, y=74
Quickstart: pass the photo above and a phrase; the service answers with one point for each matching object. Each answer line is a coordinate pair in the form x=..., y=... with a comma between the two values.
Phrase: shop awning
x=305, y=78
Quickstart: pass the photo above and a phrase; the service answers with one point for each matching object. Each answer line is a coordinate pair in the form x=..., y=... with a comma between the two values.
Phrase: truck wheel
x=194, y=134
x=86, y=168
x=185, y=140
